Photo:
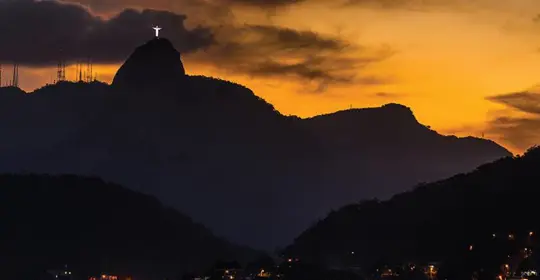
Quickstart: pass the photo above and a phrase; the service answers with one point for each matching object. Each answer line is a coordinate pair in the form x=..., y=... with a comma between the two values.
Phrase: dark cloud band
x=272, y=51
x=49, y=31
x=520, y=131
x=42, y=32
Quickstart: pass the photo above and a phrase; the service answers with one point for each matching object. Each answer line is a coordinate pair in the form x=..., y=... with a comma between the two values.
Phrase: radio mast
x=15, y=81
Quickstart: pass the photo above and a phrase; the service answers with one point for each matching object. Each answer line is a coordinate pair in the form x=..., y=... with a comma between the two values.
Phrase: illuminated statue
x=157, y=29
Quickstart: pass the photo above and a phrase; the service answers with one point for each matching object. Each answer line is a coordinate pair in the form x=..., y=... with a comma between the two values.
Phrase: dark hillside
x=95, y=227
x=436, y=222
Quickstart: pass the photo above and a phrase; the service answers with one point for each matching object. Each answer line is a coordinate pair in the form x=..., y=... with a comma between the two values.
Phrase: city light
x=109, y=277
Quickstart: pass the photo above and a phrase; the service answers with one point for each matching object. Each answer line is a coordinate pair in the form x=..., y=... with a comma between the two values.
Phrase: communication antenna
x=91, y=71
x=15, y=81
x=61, y=71
x=77, y=66
x=88, y=76
x=80, y=72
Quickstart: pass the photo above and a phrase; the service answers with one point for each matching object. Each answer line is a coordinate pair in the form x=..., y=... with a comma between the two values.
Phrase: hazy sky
x=464, y=67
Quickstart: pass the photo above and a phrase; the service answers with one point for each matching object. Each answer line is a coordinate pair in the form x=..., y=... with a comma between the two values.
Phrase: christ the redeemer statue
x=157, y=29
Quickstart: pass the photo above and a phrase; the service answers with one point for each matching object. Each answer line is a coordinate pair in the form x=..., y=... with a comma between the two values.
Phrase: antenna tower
x=15, y=81
x=61, y=71
x=88, y=73
x=76, y=71
x=0, y=75
x=91, y=74
x=80, y=71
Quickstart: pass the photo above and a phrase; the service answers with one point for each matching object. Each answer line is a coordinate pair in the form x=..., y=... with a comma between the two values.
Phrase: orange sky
x=446, y=61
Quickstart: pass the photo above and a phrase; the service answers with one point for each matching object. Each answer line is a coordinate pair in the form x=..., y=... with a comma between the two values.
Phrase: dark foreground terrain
x=97, y=227
x=470, y=224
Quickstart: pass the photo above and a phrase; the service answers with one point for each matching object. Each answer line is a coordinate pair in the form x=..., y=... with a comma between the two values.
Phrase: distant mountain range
x=219, y=153
x=470, y=222
x=96, y=227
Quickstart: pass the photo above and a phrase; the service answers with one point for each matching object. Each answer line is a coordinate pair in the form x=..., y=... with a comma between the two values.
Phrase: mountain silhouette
x=380, y=145
x=469, y=221
x=217, y=152
x=155, y=64
x=96, y=227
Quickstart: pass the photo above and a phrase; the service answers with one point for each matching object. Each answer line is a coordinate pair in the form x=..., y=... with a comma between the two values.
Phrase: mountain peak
x=391, y=113
x=397, y=113
x=155, y=64
x=397, y=108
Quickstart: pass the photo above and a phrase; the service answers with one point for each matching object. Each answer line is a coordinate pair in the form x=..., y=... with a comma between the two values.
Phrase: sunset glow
x=443, y=61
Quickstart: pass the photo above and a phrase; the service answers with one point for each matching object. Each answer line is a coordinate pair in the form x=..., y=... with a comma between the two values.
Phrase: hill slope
x=198, y=143
x=435, y=222
x=95, y=227
x=374, y=152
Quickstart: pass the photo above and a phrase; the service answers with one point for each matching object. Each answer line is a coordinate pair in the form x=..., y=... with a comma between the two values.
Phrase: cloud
x=213, y=6
x=285, y=38
x=522, y=128
x=48, y=30
x=264, y=3
x=528, y=102
x=521, y=133
x=336, y=3
x=199, y=11
x=388, y=95
x=218, y=10
x=308, y=69
x=411, y=3
x=270, y=51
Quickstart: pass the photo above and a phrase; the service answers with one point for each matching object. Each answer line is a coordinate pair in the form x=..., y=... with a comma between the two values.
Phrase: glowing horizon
x=445, y=62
